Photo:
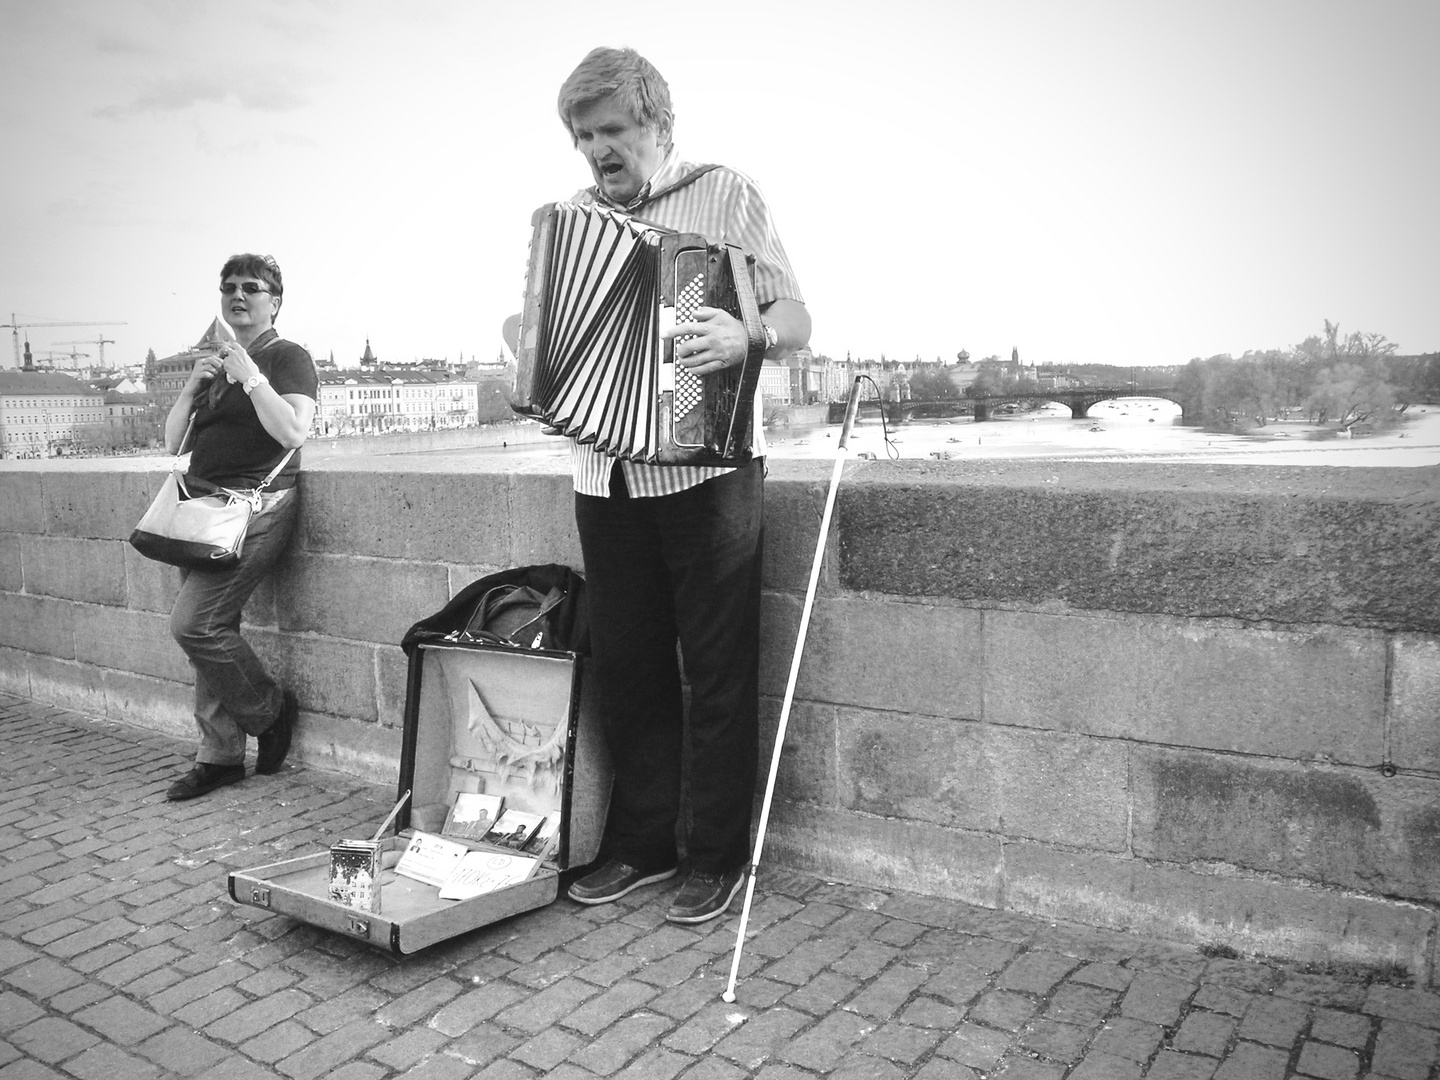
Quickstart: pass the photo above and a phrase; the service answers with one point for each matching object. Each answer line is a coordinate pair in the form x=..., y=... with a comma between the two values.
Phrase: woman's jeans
x=234, y=695
x=687, y=567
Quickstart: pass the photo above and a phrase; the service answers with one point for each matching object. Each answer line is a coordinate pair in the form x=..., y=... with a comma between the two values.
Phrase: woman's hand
x=236, y=361
x=207, y=366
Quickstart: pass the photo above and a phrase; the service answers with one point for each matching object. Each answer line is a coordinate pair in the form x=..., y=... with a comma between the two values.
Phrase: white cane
x=851, y=406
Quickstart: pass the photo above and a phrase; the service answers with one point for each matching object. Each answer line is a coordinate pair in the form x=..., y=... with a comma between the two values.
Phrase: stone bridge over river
x=1080, y=400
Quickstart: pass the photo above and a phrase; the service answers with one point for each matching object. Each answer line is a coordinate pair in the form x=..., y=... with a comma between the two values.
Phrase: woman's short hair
x=260, y=266
x=620, y=73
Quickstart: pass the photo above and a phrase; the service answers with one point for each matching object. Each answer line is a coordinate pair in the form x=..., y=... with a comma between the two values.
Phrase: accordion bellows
x=600, y=287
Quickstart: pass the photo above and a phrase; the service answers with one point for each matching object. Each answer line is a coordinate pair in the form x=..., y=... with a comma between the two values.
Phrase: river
x=1124, y=429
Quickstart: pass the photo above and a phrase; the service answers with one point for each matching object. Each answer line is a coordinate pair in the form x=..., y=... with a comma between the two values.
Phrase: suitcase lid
x=504, y=721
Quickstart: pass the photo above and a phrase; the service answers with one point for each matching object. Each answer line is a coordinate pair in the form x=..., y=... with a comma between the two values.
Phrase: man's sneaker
x=274, y=742
x=704, y=896
x=612, y=881
x=204, y=778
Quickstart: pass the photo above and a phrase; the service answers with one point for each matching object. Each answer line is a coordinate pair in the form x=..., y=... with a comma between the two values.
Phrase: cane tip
x=728, y=997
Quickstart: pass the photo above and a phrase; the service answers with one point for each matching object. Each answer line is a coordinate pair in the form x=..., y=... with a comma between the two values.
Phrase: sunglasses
x=250, y=288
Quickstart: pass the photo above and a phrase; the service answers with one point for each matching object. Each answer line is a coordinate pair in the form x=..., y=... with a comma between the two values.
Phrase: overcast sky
x=1084, y=180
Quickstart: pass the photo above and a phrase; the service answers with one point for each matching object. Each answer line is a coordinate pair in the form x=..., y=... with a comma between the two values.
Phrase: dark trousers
x=680, y=567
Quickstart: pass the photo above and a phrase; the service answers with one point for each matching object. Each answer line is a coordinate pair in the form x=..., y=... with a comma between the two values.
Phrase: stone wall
x=1199, y=702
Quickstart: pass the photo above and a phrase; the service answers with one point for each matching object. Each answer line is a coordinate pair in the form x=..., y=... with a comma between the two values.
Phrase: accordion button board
x=600, y=288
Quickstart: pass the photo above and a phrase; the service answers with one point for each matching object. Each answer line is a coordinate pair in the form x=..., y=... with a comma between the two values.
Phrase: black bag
x=531, y=607
x=514, y=615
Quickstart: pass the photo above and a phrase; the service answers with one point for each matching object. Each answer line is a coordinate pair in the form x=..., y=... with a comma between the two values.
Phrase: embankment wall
x=1197, y=702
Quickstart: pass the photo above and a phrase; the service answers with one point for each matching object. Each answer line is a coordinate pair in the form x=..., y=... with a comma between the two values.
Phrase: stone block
x=138, y=642
x=1251, y=914
x=879, y=653
x=1415, y=702
x=12, y=572
x=467, y=574
x=78, y=687
x=1348, y=827
x=779, y=624
x=385, y=508
x=338, y=744
x=1298, y=694
x=794, y=508
x=393, y=674
x=541, y=522
x=917, y=769
x=23, y=496
x=1317, y=694
x=88, y=570
x=1061, y=672
x=885, y=853
x=362, y=599
x=38, y=624
x=154, y=704
x=15, y=672
x=102, y=504
x=1410, y=843
x=1033, y=784
x=1063, y=789
x=329, y=676
x=807, y=763
x=149, y=585
x=1356, y=547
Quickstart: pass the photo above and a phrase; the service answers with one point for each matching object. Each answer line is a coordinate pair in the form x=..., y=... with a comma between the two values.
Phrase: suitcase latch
x=359, y=927
x=259, y=895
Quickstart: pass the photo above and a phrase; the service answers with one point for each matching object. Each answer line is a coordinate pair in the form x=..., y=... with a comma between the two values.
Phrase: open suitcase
x=480, y=716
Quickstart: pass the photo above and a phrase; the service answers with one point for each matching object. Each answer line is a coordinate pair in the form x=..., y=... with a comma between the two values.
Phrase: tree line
x=1349, y=380
x=1330, y=378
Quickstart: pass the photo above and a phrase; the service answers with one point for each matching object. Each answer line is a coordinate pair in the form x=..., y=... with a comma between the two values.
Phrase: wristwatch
x=771, y=337
x=255, y=380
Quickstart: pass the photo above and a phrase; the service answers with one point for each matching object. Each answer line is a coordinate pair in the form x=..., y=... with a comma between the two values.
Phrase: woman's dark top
x=231, y=446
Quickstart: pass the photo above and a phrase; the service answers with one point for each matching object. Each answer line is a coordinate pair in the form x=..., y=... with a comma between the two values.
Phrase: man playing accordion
x=673, y=552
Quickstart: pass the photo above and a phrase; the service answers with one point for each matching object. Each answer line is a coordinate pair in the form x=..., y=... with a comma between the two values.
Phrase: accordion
x=600, y=287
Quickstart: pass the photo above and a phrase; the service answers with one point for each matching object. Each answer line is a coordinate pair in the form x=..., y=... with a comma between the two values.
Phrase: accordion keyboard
x=689, y=388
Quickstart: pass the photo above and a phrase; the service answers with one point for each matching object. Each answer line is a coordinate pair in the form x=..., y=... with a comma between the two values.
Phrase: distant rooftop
x=42, y=382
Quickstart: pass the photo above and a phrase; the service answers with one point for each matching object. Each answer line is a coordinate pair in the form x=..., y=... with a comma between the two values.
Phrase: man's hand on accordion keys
x=712, y=341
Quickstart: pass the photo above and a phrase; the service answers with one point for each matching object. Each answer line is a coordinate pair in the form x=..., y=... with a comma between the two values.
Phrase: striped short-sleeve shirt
x=724, y=206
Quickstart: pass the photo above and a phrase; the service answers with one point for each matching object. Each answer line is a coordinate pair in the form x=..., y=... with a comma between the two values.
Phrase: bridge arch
x=1080, y=400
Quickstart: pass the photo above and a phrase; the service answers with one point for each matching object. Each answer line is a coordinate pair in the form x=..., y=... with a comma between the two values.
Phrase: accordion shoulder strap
x=684, y=181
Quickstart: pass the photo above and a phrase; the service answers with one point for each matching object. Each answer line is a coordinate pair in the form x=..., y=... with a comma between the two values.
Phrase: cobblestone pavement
x=123, y=958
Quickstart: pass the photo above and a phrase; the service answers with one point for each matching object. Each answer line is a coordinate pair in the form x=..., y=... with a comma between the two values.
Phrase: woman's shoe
x=204, y=778
x=274, y=742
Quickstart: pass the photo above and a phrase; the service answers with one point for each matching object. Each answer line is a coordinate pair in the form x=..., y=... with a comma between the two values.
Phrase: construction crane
x=101, y=341
x=15, y=328
x=72, y=356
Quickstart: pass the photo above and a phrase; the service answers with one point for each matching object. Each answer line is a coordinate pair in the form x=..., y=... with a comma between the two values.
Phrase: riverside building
x=41, y=413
